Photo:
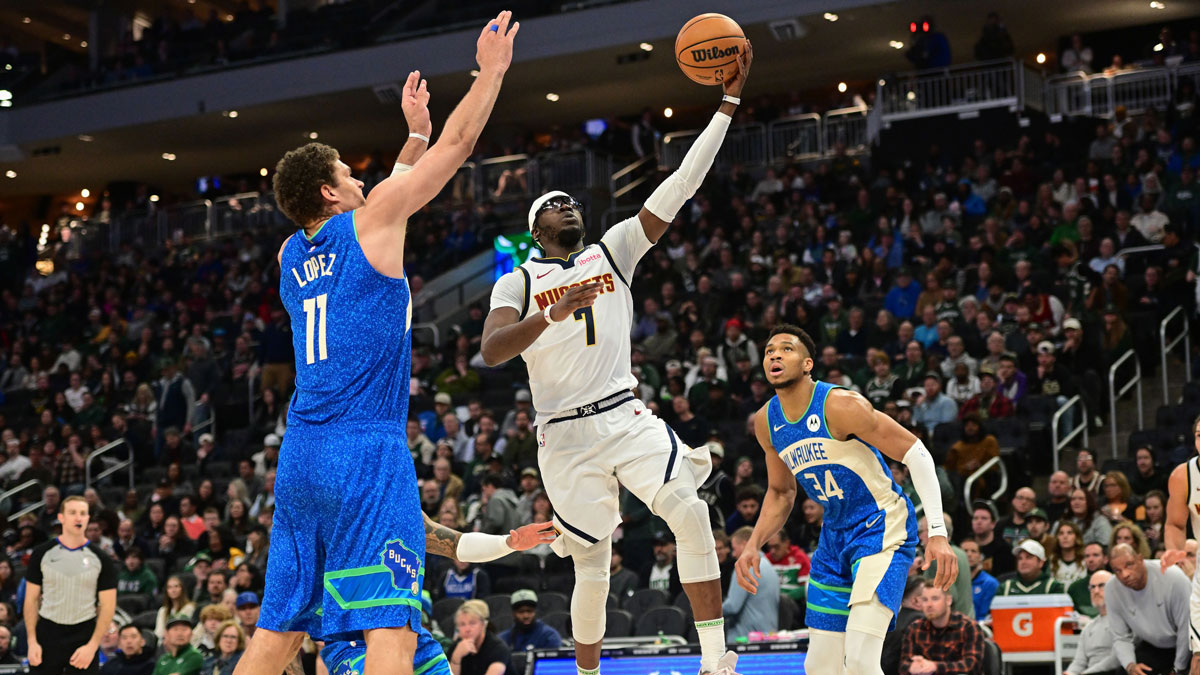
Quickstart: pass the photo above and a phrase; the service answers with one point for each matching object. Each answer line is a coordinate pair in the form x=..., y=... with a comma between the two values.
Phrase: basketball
x=708, y=47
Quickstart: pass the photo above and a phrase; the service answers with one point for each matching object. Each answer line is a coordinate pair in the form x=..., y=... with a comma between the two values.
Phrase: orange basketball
x=708, y=46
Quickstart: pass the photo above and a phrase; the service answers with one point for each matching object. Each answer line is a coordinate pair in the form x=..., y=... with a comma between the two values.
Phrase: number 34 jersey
x=584, y=357
x=849, y=478
x=350, y=329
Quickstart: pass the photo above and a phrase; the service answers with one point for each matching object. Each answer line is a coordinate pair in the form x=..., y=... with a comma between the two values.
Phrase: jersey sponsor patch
x=814, y=423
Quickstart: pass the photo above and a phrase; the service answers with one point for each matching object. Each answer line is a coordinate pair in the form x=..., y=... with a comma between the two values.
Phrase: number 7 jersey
x=584, y=357
x=350, y=329
x=849, y=478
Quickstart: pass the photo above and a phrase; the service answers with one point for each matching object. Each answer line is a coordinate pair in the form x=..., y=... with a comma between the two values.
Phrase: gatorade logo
x=714, y=53
x=1023, y=624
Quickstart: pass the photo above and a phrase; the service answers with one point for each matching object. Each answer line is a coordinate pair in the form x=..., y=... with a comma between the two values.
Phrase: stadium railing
x=1166, y=346
x=965, y=88
x=111, y=467
x=1080, y=427
x=1114, y=393
x=993, y=463
x=7, y=495
x=1098, y=95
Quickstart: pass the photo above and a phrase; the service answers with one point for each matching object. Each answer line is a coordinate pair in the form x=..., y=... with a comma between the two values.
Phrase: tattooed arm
x=478, y=547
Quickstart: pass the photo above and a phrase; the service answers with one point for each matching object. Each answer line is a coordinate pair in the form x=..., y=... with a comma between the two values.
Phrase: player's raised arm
x=777, y=505
x=855, y=416
x=669, y=196
x=415, y=103
x=1175, y=529
x=396, y=198
x=479, y=547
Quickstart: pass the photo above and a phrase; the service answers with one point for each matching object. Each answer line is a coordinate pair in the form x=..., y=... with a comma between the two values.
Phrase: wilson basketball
x=708, y=46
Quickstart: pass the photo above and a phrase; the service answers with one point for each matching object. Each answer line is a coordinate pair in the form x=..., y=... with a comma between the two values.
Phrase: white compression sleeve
x=477, y=547
x=925, y=480
x=679, y=187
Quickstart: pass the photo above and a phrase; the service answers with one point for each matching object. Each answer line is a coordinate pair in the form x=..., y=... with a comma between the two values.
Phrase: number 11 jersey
x=584, y=357
x=350, y=329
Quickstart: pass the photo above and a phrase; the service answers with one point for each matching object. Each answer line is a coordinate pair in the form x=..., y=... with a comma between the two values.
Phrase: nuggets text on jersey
x=547, y=298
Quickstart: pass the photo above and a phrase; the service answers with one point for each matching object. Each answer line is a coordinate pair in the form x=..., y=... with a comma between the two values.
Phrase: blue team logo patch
x=814, y=423
x=404, y=564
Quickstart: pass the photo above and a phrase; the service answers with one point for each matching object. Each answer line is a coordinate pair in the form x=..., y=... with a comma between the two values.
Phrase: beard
x=786, y=384
x=569, y=236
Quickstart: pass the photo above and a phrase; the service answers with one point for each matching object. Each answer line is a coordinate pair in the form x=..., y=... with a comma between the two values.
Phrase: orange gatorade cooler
x=1025, y=623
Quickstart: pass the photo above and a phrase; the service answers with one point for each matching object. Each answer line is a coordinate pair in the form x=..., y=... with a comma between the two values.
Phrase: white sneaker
x=725, y=665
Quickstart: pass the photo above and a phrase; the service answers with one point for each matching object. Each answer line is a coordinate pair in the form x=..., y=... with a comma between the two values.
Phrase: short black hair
x=494, y=480
x=805, y=338
x=127, y=626
x=914, y=584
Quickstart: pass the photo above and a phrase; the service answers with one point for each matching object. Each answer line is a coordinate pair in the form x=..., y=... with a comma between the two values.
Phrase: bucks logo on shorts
x=404, y=564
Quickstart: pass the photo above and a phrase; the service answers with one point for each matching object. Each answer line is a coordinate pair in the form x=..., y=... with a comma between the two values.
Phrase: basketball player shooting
x=348, y=544
x=1183, y=505
x=829, y=440
x=569, y=314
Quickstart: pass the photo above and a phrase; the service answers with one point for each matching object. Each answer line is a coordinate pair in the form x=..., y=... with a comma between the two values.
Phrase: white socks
x=712, y=643
x=581, y=671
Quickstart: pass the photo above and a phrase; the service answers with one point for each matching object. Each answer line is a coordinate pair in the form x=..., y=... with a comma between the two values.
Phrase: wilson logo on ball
x=714, y=53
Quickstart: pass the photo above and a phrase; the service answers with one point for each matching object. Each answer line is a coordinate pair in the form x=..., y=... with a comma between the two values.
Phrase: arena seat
x=644, y=599
x=559, y=621
x=618, y=624
x=553, y=601
x=664, y=619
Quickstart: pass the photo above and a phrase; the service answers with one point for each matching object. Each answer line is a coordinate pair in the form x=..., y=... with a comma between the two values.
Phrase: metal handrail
x=1114, y=394
x=1057, y=443
x=987, y=466
x=28, y=509
x=20, y=488
x=429, y=326
x=126, y=463
x=633, y=166
x=1060, y=646
x=1165, y=347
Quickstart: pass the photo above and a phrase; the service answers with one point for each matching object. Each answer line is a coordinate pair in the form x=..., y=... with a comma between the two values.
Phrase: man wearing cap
x=247, y=612
x=934, y=408
x=717, y=490
x=522, y=402
x=179, y=656
x=735, y=345
x=528, y=631
x=1038, y=526
x=1049, y=378
x=431, y=422
x=989, y=403
x=268, y=457
x=1031, y=577
x=1149, y=615
x=901, y=299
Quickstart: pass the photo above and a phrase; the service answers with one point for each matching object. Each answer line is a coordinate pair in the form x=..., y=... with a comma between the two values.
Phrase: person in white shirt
x=16, y=464
x=1150, y=222
x=75, y=392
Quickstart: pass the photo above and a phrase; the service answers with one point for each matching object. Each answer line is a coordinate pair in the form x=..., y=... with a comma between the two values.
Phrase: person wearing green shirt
x=135, y=577
x=1031, y=577
x=1095, y=558
x=179, y=656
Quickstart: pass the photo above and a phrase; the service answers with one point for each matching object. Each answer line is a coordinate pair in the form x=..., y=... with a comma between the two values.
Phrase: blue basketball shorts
x=348, y=541
x=851, y=564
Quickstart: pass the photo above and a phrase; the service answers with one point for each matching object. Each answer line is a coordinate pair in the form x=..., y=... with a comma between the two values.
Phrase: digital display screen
x=595, y=128
x=511, y=250
x=759, y=663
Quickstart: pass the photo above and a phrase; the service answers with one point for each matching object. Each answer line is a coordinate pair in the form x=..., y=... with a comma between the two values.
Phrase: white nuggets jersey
x=584, y=357
x=1193, y=495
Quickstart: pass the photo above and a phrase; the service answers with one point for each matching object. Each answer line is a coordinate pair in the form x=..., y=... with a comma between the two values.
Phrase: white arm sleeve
x=509, y=291
x=477, y=547
x=924, y=477
x=681, y=185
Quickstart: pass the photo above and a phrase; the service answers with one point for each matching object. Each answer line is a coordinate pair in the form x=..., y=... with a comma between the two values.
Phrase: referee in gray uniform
x=70, y=597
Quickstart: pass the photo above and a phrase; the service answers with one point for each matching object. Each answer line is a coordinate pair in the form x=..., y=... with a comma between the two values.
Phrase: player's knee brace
x=826, y=652
x=687, y=516
x=865, y=629
x=590, y=599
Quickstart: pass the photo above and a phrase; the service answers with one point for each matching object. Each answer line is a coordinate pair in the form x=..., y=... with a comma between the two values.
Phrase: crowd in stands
x=968, y=294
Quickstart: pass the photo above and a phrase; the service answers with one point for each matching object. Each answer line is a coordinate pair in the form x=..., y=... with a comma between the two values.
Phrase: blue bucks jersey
x=849, y=478
x=350, y=327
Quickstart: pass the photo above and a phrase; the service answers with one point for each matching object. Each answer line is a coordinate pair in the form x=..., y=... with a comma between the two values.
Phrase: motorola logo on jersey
x=814, y=423
x=547, y=298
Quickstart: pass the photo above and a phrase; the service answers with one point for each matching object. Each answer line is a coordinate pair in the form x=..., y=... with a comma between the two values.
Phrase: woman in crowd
x=743, y=473
x=1116, y=494
x=223, y=549
x=239, y=521
x=1066, y=554
x=175, y=601
x=8, y=582
x=805, y=531
x=246, y=577
x=1155, y=512
x=1081, y=510
x=231, y=642
x=206, y=497
x=204, y=637
x=152, y=523
x=173, y=544
x=1126, y=532
x=478, y=651
x=258, y=545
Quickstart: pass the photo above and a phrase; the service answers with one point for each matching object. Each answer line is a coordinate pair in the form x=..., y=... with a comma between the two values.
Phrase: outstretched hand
x=415, y=103
x=734, y=82
x=527, y=536
x=494, y=49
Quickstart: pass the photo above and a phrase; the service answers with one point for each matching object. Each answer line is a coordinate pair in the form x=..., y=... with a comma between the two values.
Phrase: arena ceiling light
x=552, y=97
x=1158, y=47
x=312, y=135
x=83, y=44
x=831, y=17
x=86, y=138
x=78, y=206
x=667, y=112
x=85, y=193
x=842, y=87
x=1157, y=5
x=896, y=44
x=474, y=73
x=5, y=104
x=66, y=36
x=646, y=47
x=27, y=20
x=169, y=156
x=229, y=113
x=154, y=198
x=1041, y=57
x=263, y=172
x=10, y=173
x=5, y=95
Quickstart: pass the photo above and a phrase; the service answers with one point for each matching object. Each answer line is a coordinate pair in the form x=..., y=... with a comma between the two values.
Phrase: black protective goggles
x=555, y=202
